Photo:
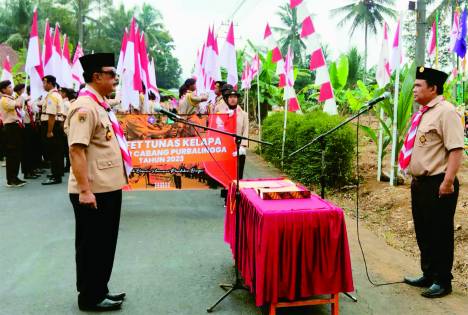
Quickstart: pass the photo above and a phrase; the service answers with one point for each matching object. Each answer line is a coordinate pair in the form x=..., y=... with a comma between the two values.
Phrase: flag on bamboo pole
x=130, y=89
x=7, y=72
x=383, y=68
x=33, y=64
x=289, y=92
x=395, y=58
x=153, y=86
x=77, y=69
x=255, y=67
x=245, y=77
x=66, y=65
x=229, y=59
x=433, y=43
x=53, y=56
x=47, y=48
x=460, y=43
x=317, y=58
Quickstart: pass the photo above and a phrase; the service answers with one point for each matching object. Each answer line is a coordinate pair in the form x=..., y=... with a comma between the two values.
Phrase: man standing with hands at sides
x=12, y=122
x=98, y=155
x=52, y=129
x=432, y=153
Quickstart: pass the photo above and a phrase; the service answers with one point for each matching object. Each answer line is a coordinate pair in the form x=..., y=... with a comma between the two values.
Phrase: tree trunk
x=421, y=25
x=80, y=21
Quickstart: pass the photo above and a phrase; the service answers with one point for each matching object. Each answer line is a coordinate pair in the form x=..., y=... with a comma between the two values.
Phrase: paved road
x=170, y=258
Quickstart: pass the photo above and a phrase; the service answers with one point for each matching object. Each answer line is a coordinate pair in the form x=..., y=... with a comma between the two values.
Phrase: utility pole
x=421, y=26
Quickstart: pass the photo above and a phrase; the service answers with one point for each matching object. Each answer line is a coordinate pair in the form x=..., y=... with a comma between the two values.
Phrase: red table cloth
x=289, y=249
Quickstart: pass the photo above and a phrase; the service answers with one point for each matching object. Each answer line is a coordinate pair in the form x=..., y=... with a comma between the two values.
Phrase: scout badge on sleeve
x=82, y=115
x=108, y=133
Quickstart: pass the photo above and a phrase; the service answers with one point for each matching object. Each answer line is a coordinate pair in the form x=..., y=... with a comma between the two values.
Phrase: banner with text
x=170, y=155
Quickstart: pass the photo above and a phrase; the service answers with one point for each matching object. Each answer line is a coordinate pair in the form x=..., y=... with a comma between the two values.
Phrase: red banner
x=169, y=155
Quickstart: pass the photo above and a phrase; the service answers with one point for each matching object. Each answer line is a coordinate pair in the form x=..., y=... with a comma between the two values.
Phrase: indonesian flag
x=33, y=65
x=217, y=66
x=317, y=58
x=383, y=67
x=395, y=59
x=66, y=65
x=123, y=48
x=228, y=59
x=198, y=70
x=455, y=30
x=431, y=44
x=6, y=72
x=54, y=65
x=47, y=49
x=153, y=87
x=272, y=45
x=289, y=92
x=130, y=90
x=255, y=67
x=144, y=64
x=246, y=76
x=210, y=60
x=77, y=69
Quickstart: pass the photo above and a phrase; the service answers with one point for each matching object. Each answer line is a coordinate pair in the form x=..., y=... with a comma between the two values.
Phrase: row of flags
x=53, y=59
x=210, y=60
x=136, y=69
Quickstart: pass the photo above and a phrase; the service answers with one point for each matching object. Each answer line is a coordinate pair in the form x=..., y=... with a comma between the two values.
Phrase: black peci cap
x=4, y=84
x=97, y=61
x=432, y=76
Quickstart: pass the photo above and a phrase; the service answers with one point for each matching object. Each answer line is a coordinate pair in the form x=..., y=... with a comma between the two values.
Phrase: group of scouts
x=98, y=174
x=32, y=134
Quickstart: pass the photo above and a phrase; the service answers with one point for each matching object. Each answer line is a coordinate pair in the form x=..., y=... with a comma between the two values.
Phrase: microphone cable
x=357, y=216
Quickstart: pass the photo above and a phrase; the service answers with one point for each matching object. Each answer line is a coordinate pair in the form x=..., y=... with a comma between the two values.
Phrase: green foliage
x=306, y=166
x=339, y=72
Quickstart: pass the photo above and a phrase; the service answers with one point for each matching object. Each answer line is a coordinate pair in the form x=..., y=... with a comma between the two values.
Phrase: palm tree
x=368, y=14
x=290, y=33
x=444, y=7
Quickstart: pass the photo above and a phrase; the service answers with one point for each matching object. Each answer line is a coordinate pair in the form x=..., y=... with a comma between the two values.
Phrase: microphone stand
x=322, y=140
x=237, y=284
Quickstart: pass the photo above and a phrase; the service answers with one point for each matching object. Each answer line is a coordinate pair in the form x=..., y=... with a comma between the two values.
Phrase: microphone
x=378, y=99
x=169, y=114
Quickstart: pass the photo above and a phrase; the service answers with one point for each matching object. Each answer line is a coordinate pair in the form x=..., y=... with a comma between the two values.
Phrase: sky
x=187, y=21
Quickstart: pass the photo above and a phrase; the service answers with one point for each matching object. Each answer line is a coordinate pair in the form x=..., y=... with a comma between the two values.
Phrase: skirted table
x=289, y=250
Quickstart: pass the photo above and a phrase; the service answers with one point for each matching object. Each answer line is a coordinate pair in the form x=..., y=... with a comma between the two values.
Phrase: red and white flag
x=77, y=69
x=228, y=58
x=255, y=67
x=123, y=48
x=33, y=64
x=245, y=79
x=54, y=64
x=272, y=45
x=289, y=92
x=317, y=58
x=6, y=72
x=395, y=58
x=130, y=90
x=66, y=65
x=383, y=68
x=431, y=44
x=153, y=86
x=47, y=47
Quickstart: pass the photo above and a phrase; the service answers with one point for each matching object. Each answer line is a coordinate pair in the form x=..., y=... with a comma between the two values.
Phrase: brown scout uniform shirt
x=88, y=124
x=53, y=105
x=8, y=109
x=439, y=132
x=220, y=105
x=188, y=104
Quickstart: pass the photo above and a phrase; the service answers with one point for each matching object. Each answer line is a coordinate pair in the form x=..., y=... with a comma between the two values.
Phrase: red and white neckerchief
x=117, y=130
x=407, y=149
x=17, y=110
x=30, y=114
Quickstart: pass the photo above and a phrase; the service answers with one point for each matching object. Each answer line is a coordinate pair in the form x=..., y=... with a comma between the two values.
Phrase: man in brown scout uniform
x=12, y=132
x=95, y=184
x=435, y=160
x=220, y=105
x=52, y=129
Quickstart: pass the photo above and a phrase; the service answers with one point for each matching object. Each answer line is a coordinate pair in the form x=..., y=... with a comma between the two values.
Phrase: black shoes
x=421, y=282
x=16, y=183
x=104, y=306
x=31, y=176
x=52, y=181
x=116, y=296
x=437, y=291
